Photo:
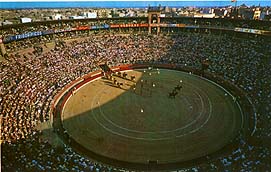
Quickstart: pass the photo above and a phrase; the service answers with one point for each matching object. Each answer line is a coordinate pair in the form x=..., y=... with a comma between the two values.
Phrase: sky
x=120, y=0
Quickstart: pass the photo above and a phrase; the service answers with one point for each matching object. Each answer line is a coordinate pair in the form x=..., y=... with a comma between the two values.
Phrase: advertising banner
x=83, y=28
x=59, y=30
x=144, y=25
x=94, y=27
x=22, y=36
x=193, y=27
x=114, y=26
x=180, y=25
x=164, y=25
x=106, y=26
x=154, y=25
x=47, y=32
x=128, y=25
x=265, y=32
x=254, y=31
x=28, y=35
x=8, y=39
x=172, y=25
x=68, y=29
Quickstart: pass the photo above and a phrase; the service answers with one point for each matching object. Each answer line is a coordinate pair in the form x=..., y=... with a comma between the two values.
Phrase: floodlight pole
x=235, y=7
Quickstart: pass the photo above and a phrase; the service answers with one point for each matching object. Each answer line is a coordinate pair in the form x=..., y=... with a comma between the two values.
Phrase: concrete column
x=149, y=21
x=3, y=49
x=158, y=21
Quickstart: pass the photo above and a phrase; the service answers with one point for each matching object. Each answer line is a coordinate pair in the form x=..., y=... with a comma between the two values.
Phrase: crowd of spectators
x=64, y=27
x=29, y=83
x=59, y=25
x=245, y=63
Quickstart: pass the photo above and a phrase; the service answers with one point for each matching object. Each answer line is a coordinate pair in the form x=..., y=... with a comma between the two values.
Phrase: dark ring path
x=131, y=128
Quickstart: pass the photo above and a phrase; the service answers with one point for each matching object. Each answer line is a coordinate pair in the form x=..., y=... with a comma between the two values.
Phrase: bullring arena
x=129, y=95
x=139, y=123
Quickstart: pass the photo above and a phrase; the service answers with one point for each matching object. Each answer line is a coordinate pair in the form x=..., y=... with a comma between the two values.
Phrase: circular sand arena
x=139, y=123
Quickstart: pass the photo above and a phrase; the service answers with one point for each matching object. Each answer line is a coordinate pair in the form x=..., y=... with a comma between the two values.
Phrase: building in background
x=56, y=17
x=90, y=15
x=26, y=20
x=257, y=14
